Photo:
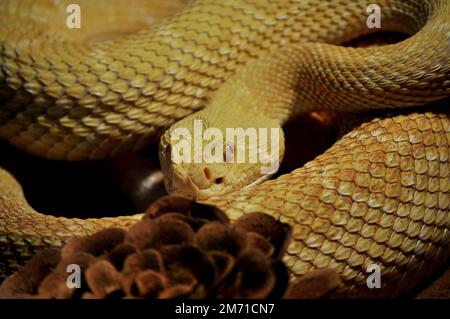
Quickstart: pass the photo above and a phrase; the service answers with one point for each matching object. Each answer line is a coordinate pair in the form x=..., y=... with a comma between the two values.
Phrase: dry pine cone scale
x=180, y=249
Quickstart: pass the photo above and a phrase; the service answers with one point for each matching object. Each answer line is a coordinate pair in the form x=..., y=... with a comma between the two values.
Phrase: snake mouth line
x=187, y=188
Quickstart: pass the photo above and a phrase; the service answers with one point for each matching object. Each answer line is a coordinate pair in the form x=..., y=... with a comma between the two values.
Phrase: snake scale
x=380, y=195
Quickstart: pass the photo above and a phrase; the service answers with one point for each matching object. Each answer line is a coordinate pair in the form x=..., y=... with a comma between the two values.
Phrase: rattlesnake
x=380, y=195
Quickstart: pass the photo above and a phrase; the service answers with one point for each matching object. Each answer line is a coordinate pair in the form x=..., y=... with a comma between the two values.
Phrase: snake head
x=211, y=154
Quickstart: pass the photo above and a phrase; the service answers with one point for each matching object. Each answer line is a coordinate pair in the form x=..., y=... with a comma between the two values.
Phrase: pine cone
x=179, y=249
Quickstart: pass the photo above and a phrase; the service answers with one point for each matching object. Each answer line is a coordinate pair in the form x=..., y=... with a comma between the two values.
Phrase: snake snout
x=204, y=176
x=212, y=177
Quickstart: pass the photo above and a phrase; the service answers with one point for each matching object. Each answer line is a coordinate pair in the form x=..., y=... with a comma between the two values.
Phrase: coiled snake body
x=380, y=195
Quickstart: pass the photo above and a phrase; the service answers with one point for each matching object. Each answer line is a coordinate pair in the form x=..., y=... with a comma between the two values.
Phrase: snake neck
x=299, y=78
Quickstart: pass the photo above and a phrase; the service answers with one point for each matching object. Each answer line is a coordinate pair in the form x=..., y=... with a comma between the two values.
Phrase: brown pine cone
x=179, y=249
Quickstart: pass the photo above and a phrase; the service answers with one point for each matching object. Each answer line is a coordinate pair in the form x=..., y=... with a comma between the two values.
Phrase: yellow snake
x=380, y=195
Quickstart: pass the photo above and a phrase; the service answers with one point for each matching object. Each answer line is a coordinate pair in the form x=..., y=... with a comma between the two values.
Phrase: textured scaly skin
x=381, y=193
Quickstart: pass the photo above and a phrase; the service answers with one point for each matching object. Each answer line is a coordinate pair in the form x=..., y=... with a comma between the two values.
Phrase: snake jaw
x=189, y=189
x=191, y=181
x=192, y=184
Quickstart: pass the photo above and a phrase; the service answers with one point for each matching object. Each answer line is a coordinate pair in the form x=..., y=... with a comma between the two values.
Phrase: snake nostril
x=207, y=173
x=219, y=180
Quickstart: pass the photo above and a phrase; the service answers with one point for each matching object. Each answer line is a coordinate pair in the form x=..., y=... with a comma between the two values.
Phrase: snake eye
x=228, y=154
